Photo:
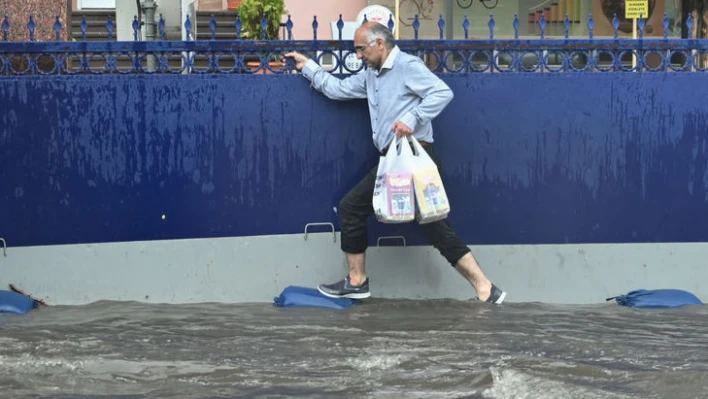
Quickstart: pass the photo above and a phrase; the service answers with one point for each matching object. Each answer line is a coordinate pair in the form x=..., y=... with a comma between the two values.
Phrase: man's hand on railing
x=299, y=59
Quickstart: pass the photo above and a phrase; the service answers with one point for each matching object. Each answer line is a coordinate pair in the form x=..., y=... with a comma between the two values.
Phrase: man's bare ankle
x=483, y=295
x=356, y=280
x=484, y=292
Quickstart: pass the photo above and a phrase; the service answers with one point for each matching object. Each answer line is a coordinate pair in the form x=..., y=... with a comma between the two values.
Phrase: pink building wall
x=44, y=13
x=302, y=12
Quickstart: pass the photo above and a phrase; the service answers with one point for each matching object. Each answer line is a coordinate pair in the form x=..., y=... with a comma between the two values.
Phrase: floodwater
x=377, y=349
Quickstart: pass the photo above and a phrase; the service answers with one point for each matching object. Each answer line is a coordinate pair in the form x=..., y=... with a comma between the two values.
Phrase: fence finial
x=542, y=24
x=340, y=26
x=516, y=26
x=212, y=26
x=441, y=26
x=591, y=25
x=491, y=24
x=109, y=27
x=641, y=24
x=315, y=24
x=136, y=27
x=31, y=25
x=665, y=22
x=616, y=25
x=264, y=25
x=566, y=23
x=390, y=21
x=84, y=27
x=416, y=26
x=289, y=27
x=238, y=25
x=689, y=24
x=57, y=28
x=5, y=28
x=161, y=27
x=466, y=26
x=188, y=27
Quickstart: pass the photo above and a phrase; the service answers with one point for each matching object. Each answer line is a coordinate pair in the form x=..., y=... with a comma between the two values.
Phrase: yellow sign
x=634, y=8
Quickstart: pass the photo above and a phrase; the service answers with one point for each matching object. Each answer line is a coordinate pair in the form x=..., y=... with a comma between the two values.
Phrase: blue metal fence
x=528, y=158
x=442, y=55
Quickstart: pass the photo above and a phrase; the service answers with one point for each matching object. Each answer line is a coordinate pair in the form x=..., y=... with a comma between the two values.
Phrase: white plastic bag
x=394, y=197
x=431, y=200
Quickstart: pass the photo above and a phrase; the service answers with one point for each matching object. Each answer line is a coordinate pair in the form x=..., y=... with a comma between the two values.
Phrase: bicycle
x=488, y=4
x=410, y=8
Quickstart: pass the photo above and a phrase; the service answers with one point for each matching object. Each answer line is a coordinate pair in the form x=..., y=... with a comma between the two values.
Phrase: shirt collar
x=388, y=64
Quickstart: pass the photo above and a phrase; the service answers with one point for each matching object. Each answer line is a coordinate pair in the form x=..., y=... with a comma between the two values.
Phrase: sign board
x=378, y=14
x=634, y=8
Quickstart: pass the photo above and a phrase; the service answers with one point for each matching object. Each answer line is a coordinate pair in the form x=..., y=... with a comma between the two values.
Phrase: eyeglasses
x=360, y=49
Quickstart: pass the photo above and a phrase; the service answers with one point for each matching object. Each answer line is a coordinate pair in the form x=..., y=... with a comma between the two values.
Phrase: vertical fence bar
x=5, y=28
x=57, y=29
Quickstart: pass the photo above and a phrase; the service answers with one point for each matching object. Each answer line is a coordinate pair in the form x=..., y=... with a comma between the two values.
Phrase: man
x=404, y=96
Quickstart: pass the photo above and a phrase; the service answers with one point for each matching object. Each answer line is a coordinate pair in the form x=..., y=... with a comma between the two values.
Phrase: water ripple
x=380, y=349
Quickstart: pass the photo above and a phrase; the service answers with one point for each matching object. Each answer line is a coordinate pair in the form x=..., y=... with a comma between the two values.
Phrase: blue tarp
x=12, y=302
x=660, y=298
x=301, y=296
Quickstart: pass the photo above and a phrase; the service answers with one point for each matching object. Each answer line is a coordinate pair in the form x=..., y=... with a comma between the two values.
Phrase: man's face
x=369, y=52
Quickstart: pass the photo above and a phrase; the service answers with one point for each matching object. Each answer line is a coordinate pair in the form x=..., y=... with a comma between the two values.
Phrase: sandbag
x=294, y=296
x=12, y=302
x=659, y=298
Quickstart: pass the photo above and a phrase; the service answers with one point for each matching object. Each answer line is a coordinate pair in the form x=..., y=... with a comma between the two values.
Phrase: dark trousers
x=356, y=207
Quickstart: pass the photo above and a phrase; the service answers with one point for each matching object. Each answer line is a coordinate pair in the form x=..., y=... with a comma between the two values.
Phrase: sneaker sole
x=350, y=296
x=500, y=299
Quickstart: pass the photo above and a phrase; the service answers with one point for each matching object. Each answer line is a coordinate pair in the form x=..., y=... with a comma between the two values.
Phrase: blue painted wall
x=528, y=158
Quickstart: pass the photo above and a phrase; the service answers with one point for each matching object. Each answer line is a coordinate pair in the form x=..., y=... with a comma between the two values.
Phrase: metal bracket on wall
x=321, y=224
x=378, y=241
x=4, y=246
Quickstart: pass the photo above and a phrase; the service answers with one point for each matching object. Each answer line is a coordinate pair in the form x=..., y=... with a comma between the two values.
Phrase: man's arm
x=337, y=89
x=435, y=94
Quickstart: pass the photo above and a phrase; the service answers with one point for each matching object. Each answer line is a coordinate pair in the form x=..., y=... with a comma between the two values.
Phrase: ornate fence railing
x=466, y=55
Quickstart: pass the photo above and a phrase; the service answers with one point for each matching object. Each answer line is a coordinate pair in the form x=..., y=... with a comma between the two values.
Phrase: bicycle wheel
x=489, y=4
x=465, y=3
x=408, y=10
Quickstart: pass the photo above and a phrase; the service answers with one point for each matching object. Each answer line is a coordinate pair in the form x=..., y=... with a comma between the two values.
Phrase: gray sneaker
x=497, y=296
x=344, y=289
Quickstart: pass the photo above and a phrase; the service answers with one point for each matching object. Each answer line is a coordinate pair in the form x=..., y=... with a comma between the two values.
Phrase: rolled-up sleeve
x=351, y=87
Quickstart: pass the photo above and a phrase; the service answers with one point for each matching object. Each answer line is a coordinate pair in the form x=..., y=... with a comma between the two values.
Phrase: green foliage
x=251, y=12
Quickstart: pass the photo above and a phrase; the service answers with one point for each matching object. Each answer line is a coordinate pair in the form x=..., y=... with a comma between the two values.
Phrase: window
x=88, y=4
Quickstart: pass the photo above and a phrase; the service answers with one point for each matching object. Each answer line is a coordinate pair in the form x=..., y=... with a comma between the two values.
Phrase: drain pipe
x=149, y=6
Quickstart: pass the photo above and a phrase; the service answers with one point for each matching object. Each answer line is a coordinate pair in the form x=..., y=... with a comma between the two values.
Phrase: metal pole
x=149, y=7
x=449, y=29
x=449, y=19
x=397, y=18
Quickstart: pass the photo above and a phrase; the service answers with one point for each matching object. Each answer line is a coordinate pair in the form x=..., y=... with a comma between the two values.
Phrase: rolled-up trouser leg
x=354, y=211
x=439, y=234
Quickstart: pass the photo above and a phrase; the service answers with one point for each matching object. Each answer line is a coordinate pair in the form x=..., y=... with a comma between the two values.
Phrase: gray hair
x=379, y=31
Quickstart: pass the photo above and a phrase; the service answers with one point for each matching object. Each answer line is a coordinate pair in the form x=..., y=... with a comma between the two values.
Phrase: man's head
x=373, y=41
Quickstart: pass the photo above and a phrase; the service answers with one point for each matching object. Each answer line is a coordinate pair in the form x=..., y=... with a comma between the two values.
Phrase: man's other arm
x=348, y=88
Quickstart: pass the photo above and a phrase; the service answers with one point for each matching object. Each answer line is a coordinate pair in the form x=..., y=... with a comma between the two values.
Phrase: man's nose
x=359, y=55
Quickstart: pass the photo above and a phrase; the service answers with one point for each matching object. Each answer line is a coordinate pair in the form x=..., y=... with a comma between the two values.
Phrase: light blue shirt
x=403, y=89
